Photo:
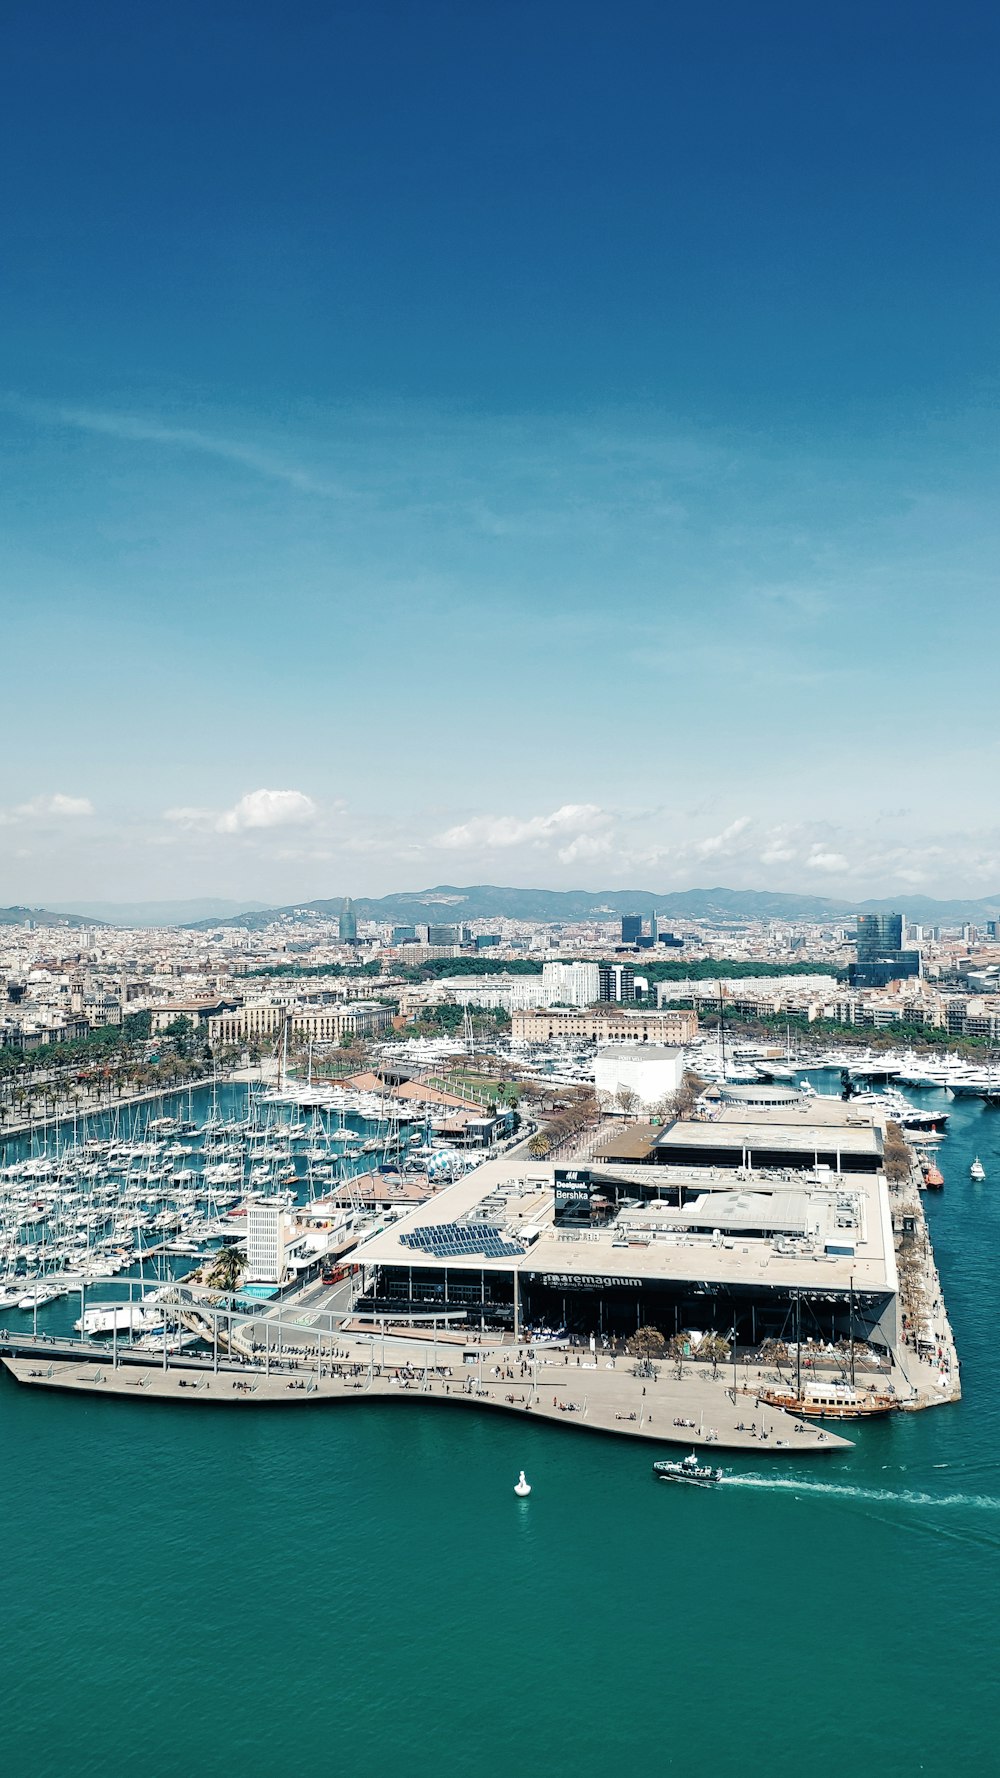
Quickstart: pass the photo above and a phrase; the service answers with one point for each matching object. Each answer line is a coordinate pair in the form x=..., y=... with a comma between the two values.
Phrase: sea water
x=356, y=1590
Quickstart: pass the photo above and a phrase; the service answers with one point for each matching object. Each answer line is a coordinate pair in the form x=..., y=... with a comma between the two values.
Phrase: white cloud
x=268, y=808
x=259, y=809
x=721, y=842
x=497, y=832
x=47, y=808
x=191, y=817
x=834, y=862
x=586, y=845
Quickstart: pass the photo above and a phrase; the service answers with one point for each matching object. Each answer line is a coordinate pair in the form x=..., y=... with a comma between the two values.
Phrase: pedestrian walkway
x=590, y=1395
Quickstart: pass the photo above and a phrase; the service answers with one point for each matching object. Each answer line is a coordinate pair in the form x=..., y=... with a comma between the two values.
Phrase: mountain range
x=448, y=903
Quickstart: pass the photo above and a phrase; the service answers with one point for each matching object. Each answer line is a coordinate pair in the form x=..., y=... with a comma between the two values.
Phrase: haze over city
x=553, y=453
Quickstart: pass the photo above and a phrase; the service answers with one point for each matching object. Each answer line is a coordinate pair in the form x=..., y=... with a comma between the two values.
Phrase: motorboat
x=688, y=1469
x=977, y=1170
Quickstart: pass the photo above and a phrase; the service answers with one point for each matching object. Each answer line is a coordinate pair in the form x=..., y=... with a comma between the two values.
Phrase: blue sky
x=522, y=443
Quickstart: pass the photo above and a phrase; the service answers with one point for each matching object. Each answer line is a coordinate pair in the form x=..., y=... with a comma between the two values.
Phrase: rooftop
x=771, y=1232
x=645, y=1052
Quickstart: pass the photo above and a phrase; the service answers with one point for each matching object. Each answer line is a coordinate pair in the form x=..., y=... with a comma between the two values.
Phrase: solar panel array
x=456, y=1240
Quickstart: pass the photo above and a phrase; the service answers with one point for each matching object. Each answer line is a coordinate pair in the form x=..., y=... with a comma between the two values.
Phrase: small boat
x=697, y=1475
x=933, y=1177
x=977, y=1170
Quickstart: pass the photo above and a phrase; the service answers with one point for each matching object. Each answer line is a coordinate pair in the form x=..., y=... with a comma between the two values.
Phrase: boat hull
x=810, y=1408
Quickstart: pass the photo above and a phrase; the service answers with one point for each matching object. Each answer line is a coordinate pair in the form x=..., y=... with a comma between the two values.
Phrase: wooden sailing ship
x=828, y=1401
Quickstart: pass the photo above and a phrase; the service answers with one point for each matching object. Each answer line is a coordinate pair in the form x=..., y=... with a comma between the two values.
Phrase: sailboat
x=827, y=1401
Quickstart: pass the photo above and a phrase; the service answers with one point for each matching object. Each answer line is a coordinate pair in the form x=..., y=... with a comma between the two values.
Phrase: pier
x=571, y=1389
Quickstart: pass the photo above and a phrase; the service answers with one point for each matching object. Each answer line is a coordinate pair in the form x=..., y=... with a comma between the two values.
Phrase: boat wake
x=876, y=1496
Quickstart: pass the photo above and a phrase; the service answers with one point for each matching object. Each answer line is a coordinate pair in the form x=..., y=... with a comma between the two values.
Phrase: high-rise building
x=444, y=935
x=617, y=983
x=348, y=923
x=570, y=984
x=266, y=1223
x=404, y=935
x=881, y=958
x=877, y=935
x=631, y=928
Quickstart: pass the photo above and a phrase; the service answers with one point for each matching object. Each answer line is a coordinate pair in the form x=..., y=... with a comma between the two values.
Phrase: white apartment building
x=568, y=984
x=509, y=992
x=267, y=1225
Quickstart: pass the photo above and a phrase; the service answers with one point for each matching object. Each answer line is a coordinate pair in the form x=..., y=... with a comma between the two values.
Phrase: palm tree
x=228, y=1268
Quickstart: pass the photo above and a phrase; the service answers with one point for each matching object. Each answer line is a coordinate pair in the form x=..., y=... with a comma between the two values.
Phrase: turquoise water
x=357, y=1591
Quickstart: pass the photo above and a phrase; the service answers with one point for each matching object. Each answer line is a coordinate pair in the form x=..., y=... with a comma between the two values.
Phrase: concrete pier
x=592, y=1396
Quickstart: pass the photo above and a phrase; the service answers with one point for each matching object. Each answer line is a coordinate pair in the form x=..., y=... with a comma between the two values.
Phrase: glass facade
x=881, y=958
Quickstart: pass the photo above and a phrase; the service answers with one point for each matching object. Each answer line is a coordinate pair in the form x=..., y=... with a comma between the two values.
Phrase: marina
x=145, y=1191
x=345, y=1380
x=905, y=1518
x=70, y=1210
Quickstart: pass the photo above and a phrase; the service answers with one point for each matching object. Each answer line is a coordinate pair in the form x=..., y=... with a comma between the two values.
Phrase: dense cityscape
x=73, y=990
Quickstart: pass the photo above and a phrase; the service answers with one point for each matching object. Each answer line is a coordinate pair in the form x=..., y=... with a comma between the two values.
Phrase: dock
x=561, y=1387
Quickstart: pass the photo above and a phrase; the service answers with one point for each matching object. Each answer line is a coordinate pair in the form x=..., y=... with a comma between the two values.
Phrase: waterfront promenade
x=589, y=1396
x=88, y=1111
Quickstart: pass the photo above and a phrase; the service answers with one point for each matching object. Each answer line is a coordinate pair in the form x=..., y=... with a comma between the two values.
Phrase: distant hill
x=205, y=908
x=44, y=917
x=448, y=903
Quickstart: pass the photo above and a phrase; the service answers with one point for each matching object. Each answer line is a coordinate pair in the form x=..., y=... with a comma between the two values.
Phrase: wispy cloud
x=146, y=429
x=55, y=807
x=720, y=843
x=490, y=833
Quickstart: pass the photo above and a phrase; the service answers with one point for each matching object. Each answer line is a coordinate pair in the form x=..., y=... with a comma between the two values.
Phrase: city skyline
x=513, y=445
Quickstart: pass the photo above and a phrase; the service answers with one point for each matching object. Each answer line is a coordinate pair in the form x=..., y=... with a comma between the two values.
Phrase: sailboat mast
x=851, y=1311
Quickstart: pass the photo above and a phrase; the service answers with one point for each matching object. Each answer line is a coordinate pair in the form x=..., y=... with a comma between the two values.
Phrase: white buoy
x=522, y=1487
